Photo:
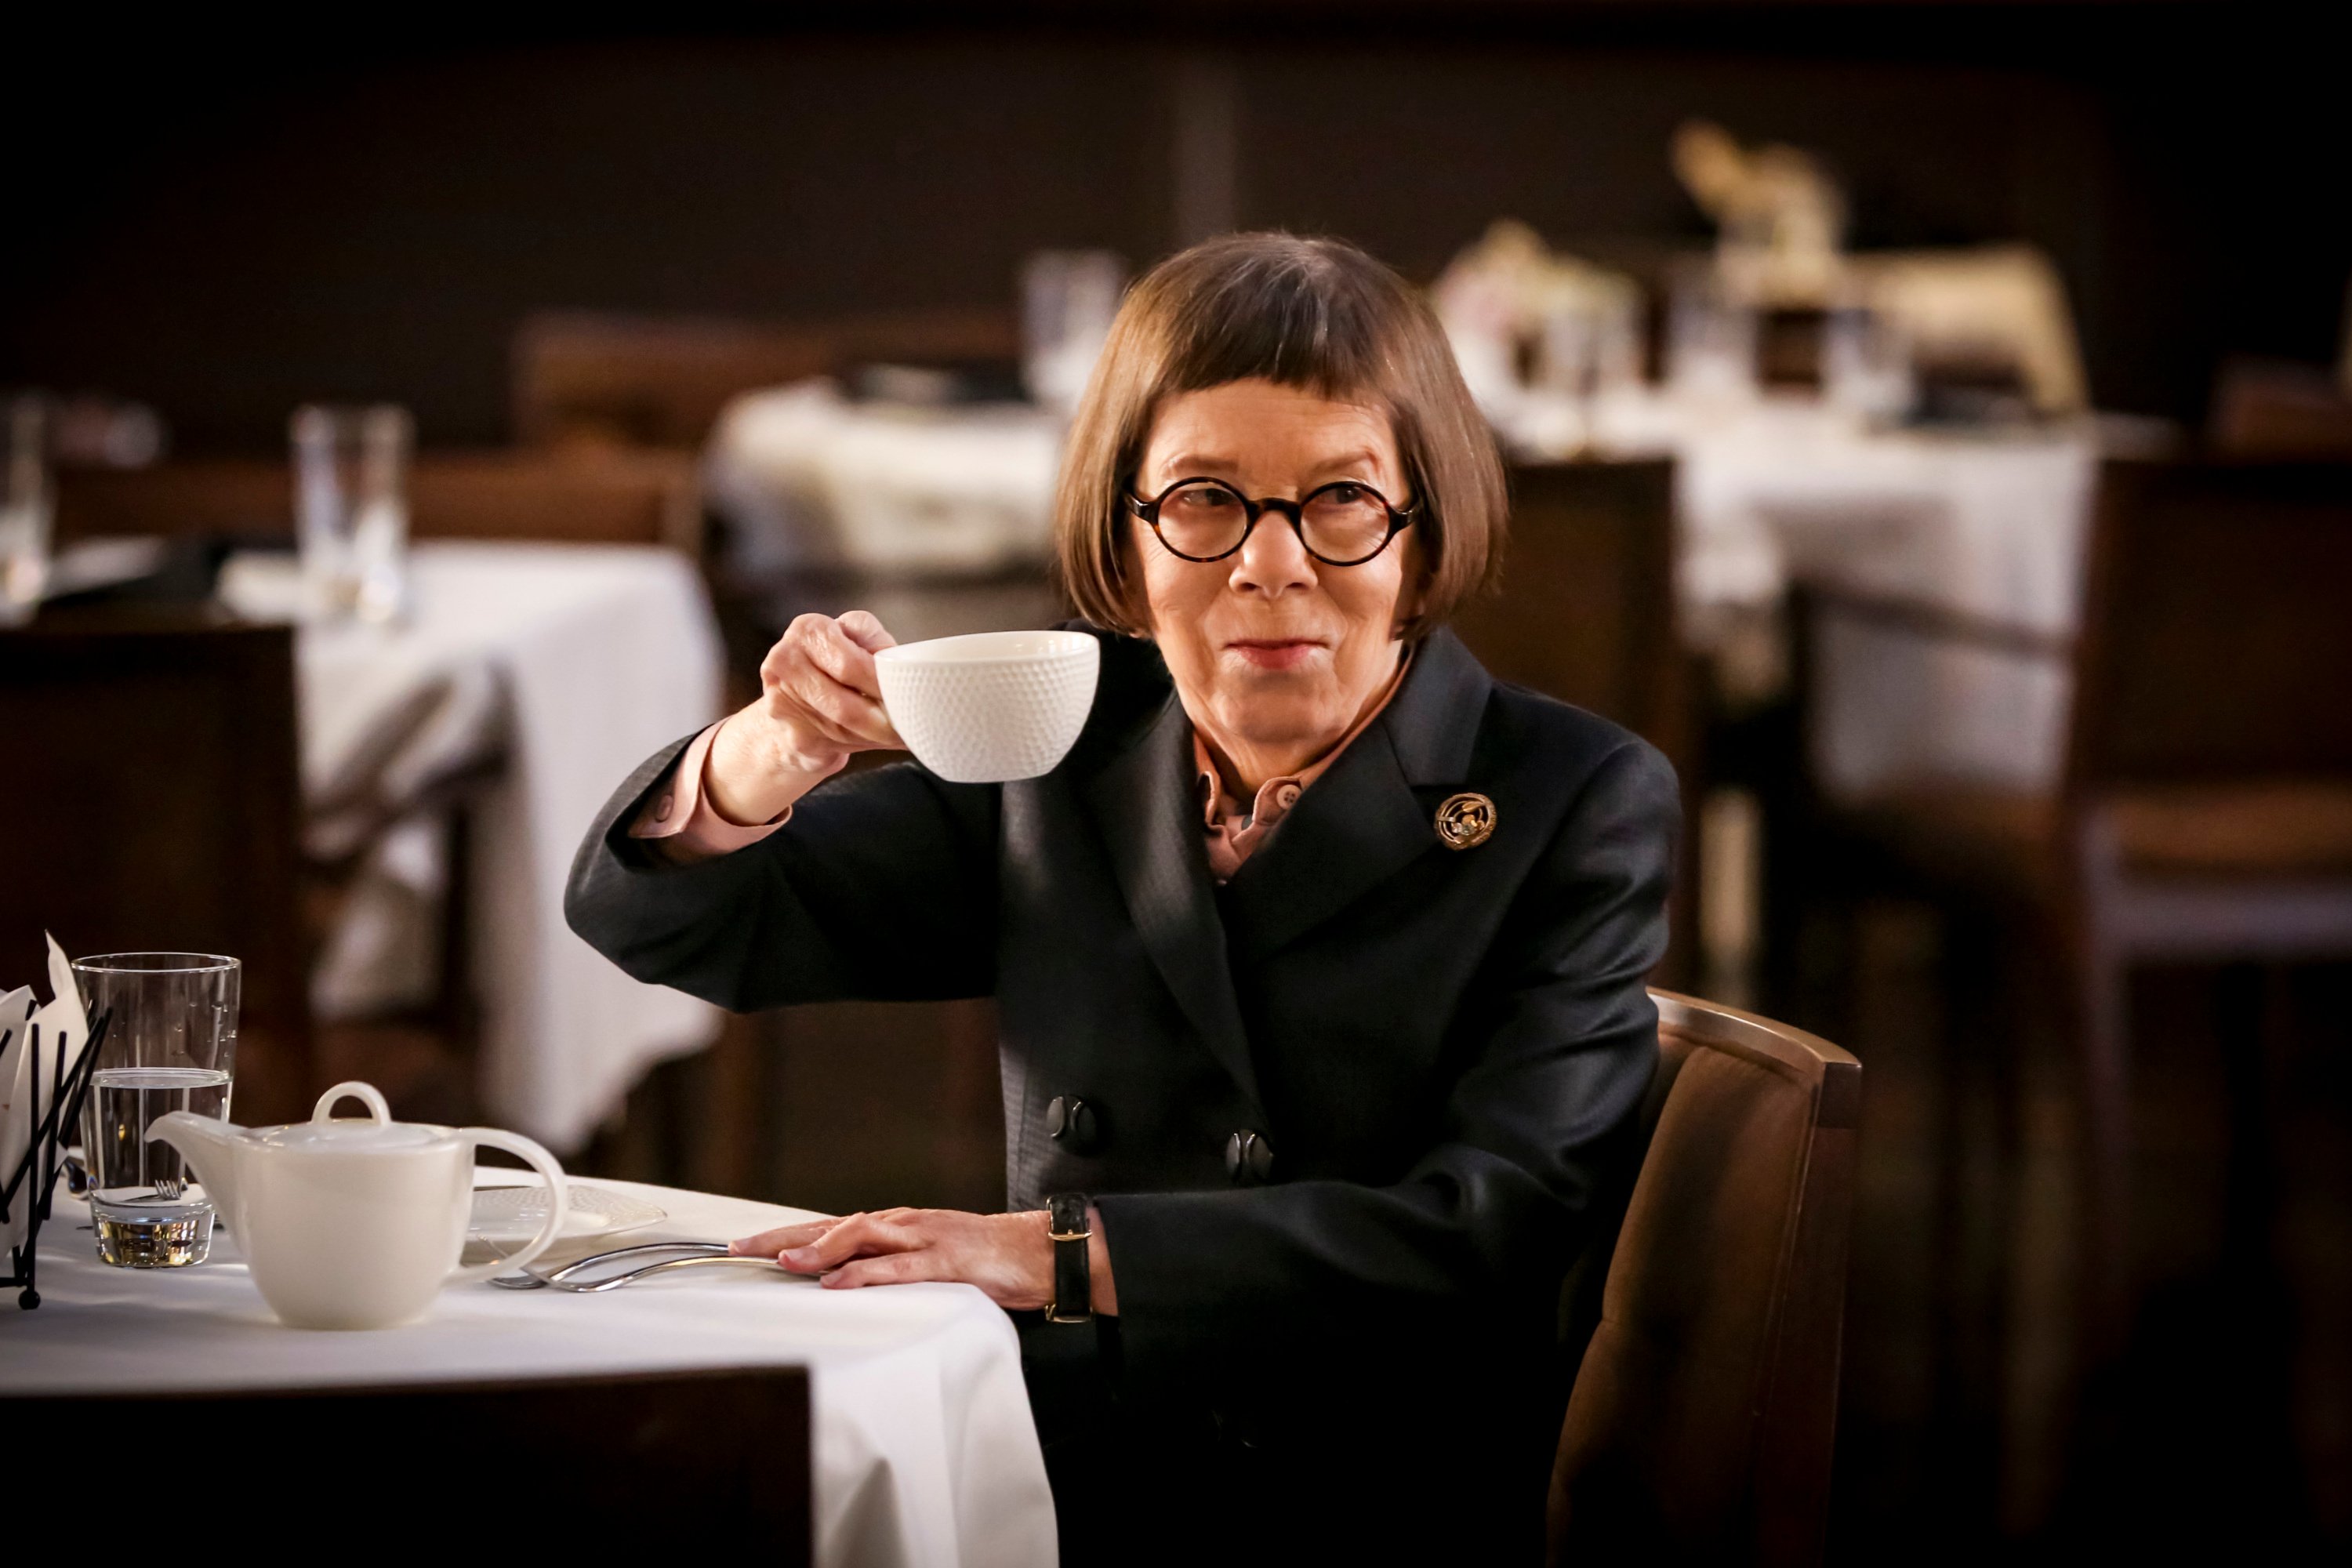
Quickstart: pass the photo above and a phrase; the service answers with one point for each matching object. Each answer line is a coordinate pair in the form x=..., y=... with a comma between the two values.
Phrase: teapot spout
x=209, y=1146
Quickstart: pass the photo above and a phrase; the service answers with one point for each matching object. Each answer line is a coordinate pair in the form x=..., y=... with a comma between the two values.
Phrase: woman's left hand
x=1009, y=1256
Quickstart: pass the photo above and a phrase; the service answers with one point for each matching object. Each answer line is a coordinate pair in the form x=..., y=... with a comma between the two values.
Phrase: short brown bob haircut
x=1317, y=314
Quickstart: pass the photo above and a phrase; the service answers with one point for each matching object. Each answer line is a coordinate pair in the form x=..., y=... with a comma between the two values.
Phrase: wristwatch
x=1074, y=1301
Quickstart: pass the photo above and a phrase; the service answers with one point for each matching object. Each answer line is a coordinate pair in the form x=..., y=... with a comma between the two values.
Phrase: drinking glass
x=350, y=507
x=24, y=512
x=1711, y=341
x=171, y=1046
x=1068, y=301
x=1866, y=366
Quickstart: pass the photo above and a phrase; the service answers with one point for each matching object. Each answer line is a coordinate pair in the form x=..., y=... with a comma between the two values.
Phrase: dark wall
x=226, y=228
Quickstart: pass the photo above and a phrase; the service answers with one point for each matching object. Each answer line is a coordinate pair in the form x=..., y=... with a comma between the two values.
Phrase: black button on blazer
x=1447, y=1046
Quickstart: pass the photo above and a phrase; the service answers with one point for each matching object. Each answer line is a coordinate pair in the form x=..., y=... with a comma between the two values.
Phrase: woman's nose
x=1273, y=560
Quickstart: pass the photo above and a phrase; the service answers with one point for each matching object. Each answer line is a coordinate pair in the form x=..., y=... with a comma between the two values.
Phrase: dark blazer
x=1441, y=1052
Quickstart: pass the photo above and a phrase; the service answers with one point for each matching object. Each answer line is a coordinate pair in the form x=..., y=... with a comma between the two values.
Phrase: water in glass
x=171, y=1046
x=149, y=1211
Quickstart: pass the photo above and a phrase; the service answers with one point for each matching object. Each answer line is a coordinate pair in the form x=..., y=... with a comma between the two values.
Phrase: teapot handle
x=364, y=1092
x=559, y=1201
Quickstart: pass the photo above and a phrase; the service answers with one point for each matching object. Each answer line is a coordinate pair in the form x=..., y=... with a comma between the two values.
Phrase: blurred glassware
x=171, y=1046
x=1866, y=366
x=26, y=510
x=1510, y=293
x=1068, y=299
x=1710, y=341
x=350, y=507
x=1590, y=354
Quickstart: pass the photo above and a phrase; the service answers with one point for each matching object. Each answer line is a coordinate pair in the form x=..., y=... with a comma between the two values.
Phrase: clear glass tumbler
x=1068, y=301
x=351, y=508
x=171, y=1046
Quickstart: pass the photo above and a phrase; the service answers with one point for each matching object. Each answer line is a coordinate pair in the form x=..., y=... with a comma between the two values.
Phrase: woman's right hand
x=819, y=703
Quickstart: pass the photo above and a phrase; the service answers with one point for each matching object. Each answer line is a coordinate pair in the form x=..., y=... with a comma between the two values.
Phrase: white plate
x=510, y=1217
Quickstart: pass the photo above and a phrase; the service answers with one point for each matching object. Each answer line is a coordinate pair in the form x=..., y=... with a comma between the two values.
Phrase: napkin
x=63, y=1028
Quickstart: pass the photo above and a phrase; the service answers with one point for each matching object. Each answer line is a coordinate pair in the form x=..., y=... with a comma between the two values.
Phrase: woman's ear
x=1133, y=599
x=1412, y=590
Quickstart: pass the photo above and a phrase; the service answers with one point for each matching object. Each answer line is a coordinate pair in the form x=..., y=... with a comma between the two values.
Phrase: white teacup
x=993, y=706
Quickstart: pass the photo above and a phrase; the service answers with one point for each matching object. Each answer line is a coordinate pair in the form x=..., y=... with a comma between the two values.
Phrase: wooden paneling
x=589, y=497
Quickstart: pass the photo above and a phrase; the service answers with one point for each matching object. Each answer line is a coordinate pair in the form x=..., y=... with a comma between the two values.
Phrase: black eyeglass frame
x=1294, y=511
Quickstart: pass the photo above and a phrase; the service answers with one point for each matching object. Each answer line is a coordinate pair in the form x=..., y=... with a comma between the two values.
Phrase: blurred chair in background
x=2276, y=411
x=1701, y=1424
x=1587, y=615
x=155, y=803
x=1587, y=608
x=2205, y=813
x=649, y=380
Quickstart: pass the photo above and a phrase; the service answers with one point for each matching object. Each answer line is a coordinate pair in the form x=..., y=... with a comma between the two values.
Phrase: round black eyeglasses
x=1344, y=523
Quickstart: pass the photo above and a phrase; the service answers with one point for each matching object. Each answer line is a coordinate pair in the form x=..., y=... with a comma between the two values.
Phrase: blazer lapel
x=1362, y=822
x=1143, y=798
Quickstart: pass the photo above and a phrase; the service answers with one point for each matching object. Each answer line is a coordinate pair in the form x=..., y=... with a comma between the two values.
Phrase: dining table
x=923, y=1450
x=1988, y=522
x=537, y=674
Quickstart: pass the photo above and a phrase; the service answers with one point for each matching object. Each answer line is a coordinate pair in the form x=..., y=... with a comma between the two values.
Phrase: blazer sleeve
x=1538, y=1123
x=881, y=887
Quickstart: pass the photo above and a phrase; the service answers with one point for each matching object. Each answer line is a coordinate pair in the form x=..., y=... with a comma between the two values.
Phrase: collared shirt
x=687, y=827
x=1235, y=832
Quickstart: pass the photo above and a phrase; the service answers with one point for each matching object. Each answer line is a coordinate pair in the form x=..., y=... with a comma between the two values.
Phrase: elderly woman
x=1318, y=960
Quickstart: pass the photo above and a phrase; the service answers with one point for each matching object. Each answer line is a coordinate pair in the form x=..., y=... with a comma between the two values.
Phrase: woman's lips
x=1276, y=653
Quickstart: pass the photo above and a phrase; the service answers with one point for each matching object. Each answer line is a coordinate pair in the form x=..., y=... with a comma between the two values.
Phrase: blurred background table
x=378, y=819
x=923, y=1451
x=526, y=681
x=1989, y=524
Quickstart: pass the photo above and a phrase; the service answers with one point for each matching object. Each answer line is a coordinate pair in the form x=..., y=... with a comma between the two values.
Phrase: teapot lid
x=378, y=1132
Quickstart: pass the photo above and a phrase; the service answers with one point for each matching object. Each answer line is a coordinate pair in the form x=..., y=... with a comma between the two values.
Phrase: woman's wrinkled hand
x=820, y=702
x=1009, y=1256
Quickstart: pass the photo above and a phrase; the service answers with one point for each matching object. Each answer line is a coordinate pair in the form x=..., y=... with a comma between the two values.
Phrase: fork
x=692, y=1254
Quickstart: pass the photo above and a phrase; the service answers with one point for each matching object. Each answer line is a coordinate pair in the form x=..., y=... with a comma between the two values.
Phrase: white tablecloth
x=925, y=1453
x=809, y=479
x=570, y=663
x=1992, y=525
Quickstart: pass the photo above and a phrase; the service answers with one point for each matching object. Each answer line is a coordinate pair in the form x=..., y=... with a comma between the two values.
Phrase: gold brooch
x=1466, y=821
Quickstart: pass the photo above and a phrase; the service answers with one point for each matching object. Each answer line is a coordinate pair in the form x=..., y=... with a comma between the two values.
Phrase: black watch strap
x=1072, y=1283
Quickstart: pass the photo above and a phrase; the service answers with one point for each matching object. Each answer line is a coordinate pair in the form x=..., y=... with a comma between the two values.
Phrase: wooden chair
x=1587, y=615
x=596, y=498
x=652, y=380
x=1701, y=1422
x=2206, y=808
x=722, y=1455
x=1587, y=609
x=156, y=804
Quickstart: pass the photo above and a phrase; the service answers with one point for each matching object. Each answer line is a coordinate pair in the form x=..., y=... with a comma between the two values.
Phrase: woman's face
x=1272, y=649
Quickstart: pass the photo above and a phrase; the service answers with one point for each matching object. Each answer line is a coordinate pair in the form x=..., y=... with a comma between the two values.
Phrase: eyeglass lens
x=1339, y=522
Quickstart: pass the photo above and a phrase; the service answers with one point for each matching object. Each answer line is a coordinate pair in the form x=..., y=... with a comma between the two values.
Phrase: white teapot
x=353, y=1225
